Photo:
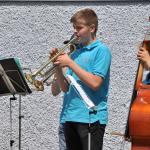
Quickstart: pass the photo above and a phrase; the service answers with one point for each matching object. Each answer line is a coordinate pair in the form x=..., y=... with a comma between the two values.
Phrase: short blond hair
x=85, y=16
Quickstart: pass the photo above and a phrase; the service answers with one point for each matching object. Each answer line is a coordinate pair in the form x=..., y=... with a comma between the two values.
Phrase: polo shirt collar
x=92, y=45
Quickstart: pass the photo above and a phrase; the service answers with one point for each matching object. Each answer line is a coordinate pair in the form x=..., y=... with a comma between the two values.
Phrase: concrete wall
x=28, y=30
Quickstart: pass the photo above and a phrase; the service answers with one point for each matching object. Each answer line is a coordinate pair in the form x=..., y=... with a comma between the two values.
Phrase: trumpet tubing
x=45, y=75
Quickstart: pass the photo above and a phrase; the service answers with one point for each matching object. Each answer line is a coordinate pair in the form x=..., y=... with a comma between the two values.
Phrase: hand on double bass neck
x=144, y=56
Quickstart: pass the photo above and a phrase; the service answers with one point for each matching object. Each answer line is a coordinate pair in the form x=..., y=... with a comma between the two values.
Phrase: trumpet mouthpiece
x=65, y=42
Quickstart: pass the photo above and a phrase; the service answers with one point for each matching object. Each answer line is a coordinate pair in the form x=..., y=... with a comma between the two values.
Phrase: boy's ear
x=92, y=26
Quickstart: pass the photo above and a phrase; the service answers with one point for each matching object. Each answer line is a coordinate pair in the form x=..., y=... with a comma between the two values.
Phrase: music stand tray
x=12, y=80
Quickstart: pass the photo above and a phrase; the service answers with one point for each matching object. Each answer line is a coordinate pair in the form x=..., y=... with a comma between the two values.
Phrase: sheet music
x=7, y=81
x=82, y=93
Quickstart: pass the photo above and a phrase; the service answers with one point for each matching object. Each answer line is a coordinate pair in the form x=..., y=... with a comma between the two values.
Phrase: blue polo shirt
x=147, y=80
x=96, y=59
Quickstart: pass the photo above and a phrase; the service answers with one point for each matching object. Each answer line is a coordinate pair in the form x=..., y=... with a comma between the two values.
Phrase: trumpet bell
x=37, y=83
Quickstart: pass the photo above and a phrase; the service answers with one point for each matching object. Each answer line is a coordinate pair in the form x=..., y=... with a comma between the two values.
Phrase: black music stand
x=12, y=82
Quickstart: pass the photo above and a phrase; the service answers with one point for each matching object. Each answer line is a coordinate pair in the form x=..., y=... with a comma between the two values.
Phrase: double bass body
x=139, y=121
x=139, y=116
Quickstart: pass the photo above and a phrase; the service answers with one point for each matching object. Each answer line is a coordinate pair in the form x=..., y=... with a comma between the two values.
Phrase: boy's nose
x=75, y=31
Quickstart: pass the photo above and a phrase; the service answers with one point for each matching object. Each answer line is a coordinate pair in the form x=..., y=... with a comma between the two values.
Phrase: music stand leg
x=20, y=117
x=11, y=140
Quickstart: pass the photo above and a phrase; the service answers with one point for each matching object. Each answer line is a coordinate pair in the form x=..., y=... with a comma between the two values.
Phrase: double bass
x=138, y=123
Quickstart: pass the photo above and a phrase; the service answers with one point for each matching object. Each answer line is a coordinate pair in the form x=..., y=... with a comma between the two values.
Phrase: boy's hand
x=143, y=54
x=53, y=52
x=63, y=60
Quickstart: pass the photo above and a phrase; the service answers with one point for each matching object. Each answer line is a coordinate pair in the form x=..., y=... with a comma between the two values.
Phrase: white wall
x=28, y=30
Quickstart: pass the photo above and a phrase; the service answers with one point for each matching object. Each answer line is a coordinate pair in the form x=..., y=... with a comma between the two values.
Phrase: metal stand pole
x=11, y=140
x=89, y=134
x=89, y=137
x=20, y=117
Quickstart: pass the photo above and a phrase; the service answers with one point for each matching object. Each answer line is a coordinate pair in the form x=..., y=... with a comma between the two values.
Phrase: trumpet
x=45, y=72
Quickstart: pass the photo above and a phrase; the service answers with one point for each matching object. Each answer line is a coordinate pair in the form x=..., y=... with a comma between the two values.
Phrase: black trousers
x=76, y=135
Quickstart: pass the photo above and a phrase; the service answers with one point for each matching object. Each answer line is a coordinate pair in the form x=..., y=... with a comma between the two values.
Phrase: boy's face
x=83, y=33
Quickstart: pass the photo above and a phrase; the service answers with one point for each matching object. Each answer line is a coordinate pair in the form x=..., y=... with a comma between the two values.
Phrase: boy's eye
x=78, y=28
